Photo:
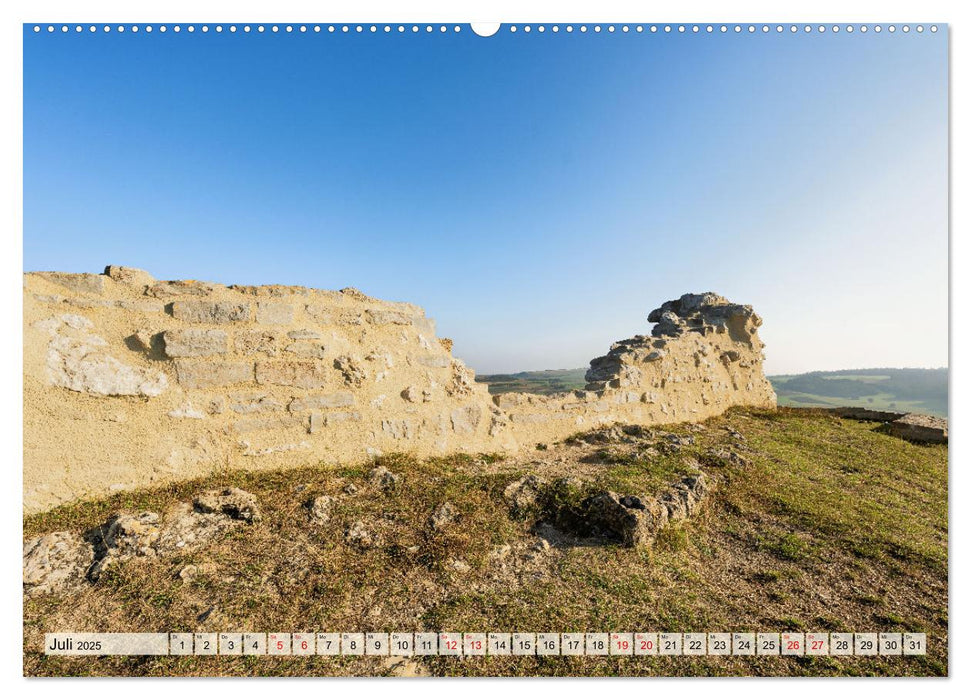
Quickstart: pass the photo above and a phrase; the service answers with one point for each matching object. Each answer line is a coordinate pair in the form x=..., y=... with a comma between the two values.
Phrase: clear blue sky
x=538, y=194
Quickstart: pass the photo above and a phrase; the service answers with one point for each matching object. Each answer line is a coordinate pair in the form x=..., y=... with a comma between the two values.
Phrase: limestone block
x=195, y=342
x=304, y=334
x=440, y=361
x=253, y=403
x=249, y=342
x=274, y=313
x=142, y=306
x=381, y=317
x=341, y=417
x=466, y=419
x=198, y=374
x=400, y=429
x=305, y=374
x=321, y=314
x=176, y=288
x=84, y=282
x=307, y=348
x=335, y=400
x=201, y=311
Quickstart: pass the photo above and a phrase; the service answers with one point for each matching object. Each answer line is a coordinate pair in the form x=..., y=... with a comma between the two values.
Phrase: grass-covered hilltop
x=805, y=522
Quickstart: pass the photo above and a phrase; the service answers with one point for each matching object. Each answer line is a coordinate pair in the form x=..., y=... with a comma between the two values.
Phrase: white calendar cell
x=278, y=643
x=499, y=644
x=328, y=644
x=719, y=643
x=402, y=643
x=695, y=644
x=743, y=643
x=450, y=644
x=571, y=644
x=767, y=644
x=254, y=643
x=548, y=644
x=865, y=643
x=426, y=644
x=474, y=643
x=523, y=643
x=304, y=643
x=817, y=643
x=376, y=644
x=352, y=644
x=597, y=643
x=230, y=644
x=890, y=643
x=841, y=644
x=915, y=643
x=621, y=643
x=206, y=643
x=180, y=643
x=645, y=644
x=669, y=643
x=793, y=644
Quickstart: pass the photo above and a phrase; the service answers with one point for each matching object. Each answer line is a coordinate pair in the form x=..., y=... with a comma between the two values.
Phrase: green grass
x=831, y=525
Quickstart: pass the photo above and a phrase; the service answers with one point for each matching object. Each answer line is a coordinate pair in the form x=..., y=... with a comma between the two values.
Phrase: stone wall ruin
x=131, y=382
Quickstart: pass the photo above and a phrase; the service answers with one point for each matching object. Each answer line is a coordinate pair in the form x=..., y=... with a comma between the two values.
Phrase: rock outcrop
x=61, y=561
x=130, y=381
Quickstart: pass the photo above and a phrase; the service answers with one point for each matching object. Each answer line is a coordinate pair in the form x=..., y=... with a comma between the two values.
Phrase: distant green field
x=907, y=390
x=550, y=381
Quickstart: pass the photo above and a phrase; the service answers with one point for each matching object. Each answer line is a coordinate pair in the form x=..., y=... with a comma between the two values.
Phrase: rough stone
x=274, y=313
x=199, y=374
x=383, y=478
x=249, y=342
x=55, y=562
x=358, y=536
x=920, y=428
x=307, y=348
x=523, y=494
x=304, y=374
x=443, y=516
x=77, y=360
x=320, y=509
x=335, y=400
x=176, y=288
x=352, y=370
x=129, y=275
x=200, y=311
x=466, y=419
x=195, y=342
x=253, y=403
x=84, y=282
x=234, y=502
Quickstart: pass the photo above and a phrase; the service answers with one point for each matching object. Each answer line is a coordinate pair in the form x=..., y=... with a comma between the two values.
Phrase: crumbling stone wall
x=130, y=381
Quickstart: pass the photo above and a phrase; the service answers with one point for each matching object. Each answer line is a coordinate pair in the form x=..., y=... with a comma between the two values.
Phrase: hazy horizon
x=537, y=194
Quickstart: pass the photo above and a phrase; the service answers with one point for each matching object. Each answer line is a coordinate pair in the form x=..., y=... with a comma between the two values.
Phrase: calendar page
x=388, y=348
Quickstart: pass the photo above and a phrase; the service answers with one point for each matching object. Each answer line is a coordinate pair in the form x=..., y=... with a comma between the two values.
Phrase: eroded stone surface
x=78, y=360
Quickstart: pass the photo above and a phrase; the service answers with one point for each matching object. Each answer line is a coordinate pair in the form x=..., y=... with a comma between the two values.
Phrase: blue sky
x=538, y=194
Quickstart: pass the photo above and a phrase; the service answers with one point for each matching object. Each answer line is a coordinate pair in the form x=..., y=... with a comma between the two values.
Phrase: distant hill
x=917, y=390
